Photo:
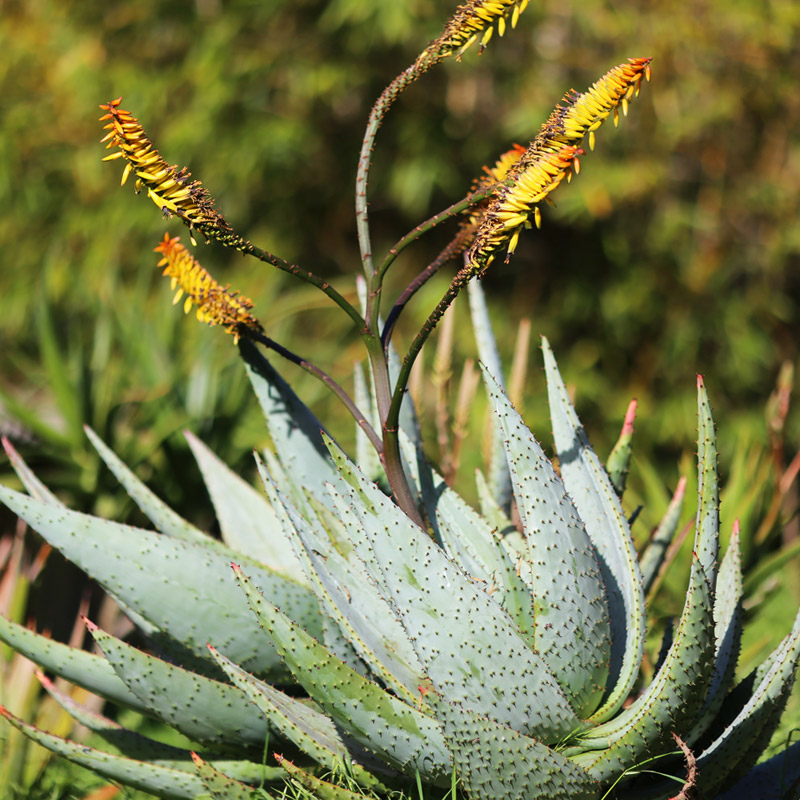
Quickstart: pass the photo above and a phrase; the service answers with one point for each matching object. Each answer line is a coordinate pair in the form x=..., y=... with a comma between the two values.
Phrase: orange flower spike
x=216, y=305
x=172, y=190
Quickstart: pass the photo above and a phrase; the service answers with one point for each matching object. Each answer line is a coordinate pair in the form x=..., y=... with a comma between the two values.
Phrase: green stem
x=382, y=105
x=308, y=277
x=391, y=460
x=457, y=245
x=314, y=370
x=390, y=441
x=470, y=200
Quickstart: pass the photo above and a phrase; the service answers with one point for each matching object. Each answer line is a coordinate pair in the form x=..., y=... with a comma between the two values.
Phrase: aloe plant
x=358, y=620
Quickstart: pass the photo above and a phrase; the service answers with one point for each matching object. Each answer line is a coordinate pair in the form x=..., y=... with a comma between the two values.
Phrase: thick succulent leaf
x=404, y=737
x=77, y=666
x=157, y=511
x=656, y=551
x=311, y=731
x=489, y=508
x=200, y=708
x=571, y=623
x=366, y=456
x=775, y=779
x=222, y=787
x=619, y=460
x=499, y=476
x=352, y=599
x=140, y=748
x=322, y=790
x=460, y=633
x=247, y=521
x=471, y=541
x=737, y=749
x=295, y=431
x=599, y=508
x=727, y=635
x=494, y=762
x=184, y=589
x=679, y=688
x=162, y=781
x=707, y=538
x=32, y=484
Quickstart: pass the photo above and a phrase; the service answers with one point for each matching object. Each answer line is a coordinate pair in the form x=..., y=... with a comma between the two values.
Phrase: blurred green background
x=674, y=252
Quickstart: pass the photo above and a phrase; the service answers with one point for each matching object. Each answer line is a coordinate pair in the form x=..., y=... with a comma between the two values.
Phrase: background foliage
x=675, y=251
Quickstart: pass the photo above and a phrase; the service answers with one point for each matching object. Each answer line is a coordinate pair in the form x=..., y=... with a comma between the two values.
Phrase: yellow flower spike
x=524, y=180
x=216, y=305
x=471, y=21
x=170, y=188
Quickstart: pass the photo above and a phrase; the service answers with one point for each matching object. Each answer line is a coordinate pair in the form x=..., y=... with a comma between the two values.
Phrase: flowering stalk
x=216, y=305
x=170, y=188
x=174, y=193
x=549, y=159
x=522, y=181
x=470, y=21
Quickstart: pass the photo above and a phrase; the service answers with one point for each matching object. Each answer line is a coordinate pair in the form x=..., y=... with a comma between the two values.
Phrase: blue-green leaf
x=200, y=708
x=77, y=666
x=599, y=508
x=499, y=476
x=495, y=762
x=156, y=510
x=162, y=781
x=183, y=589
x=570, y=614
x=247, y=521
x=656, y=551
x=311, y=731
x=403, y=736
x=296, y=433
x=680, y=686
x=457, y=629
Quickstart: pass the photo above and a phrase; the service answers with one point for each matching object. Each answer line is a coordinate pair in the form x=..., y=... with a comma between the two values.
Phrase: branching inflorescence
x=502, y=202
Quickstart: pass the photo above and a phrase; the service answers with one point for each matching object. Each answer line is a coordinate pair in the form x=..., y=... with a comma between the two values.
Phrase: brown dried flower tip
x=215, y=305
x=474, y=20
x=171, y=189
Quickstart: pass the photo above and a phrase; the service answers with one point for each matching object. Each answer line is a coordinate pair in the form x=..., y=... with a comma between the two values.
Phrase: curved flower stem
x=390, y=439
x=470, y=200
x=456, y=246
x=308, y=277
x=312, y=369
x=382, y=105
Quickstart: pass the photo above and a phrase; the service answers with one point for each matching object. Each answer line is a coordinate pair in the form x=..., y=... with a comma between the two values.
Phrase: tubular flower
x=470, y=22
x=215, y=305
x=548, y=160
x=171, y=189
